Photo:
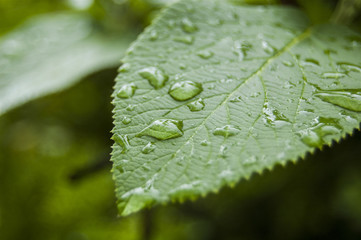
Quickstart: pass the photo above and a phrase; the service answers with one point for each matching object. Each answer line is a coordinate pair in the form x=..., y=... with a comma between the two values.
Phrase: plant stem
x=346, y=11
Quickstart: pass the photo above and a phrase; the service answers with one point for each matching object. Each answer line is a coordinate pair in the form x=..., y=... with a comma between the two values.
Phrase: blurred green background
x=55, y=180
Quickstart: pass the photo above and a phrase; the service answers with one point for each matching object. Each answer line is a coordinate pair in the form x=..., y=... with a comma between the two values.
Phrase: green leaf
x=50, y=53
x=265, y=74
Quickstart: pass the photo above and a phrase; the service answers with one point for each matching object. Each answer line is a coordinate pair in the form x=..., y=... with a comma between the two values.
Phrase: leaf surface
x=247, y=88
x=51, y=52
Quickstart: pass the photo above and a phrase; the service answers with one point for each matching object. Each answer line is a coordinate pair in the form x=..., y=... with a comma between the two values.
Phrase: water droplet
x=241, y=49
x=196, y=105
x=124, y=67
x=204, y=143
x=226, y=131
x=222, y=151
x=267, y=47
x=311, y=138
x=205, y=54
x=348, y=67
x=333, y=75
x=130, y=107
x=153, y=35
x=236, y=99
x=150, y=147
x=274, y=117
x=188, y=26
x=182, y=66
x=156, y=77
x=127, y=90
x=288, y=63
x=250, y=161
x=342, y=99
x=163, y=129
x=310, y=62
x=122, y=140
x=185, y=90
x=184, y=39
x=126, y=120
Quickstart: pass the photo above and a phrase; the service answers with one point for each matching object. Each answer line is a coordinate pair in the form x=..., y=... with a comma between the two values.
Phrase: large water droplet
x=122, y=140
x=185, y=90
x=156, y=77
x=311, y=138
x=226, y=131
x=196, y=105
x=126, y=120
x=163, y=129
x=205, y=54
x=188, y=26
x=184, y=39
x=127, y=90
x=150, y=147
x=342, y=99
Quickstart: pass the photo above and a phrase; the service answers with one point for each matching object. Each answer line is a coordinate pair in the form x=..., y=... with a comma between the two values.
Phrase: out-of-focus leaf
x=213, y=92
x=51, y=52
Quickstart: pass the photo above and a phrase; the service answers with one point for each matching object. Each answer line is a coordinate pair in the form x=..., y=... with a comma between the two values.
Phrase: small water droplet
x=182, y=66
x=222, y=151
x=310, y=62
x=150, y=147
x=153, y=35
x=126, y=120
x=122, y=140
x=205, y=54
x=311, y=138
x=333, y=75
x=236, y=99
x=185, y=90
x=241, y=49
x=204, y=143
x=155, y=76
x=127, y=90
x=267, y=47
x=125, y=67
x=184, y=39
x=188, y=26
x=163, y=129
x=288, y=63
x=130, y=107
x=342, y=99
x=348, y=67
x=196, y=105
x=250, y=161
x=226, y=131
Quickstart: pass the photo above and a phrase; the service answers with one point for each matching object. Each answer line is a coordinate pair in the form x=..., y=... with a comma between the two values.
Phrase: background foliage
x=54, y=165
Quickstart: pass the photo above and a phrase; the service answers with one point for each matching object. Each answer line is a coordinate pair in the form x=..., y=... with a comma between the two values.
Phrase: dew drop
x=311, y=138
x=226, y=131
x=126, y=120
x=288, y=63
x=122, y=140
x=150, y=147
x=125, y=67
x=185, y=90
x=267, y=47
x=130, y=107
x=348, y=67
x=153, y=35
x=342, y=99
x=205, y=54
x=241, y=48
x=204, y=143
x=333, y=75
x=196, y=105
x=223, y=151
x=310, y=63
x=185, y=39
x=156, y=77
x=127, y=90
x=163, y=129
x=188, y=26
